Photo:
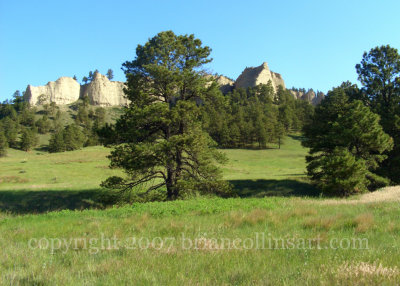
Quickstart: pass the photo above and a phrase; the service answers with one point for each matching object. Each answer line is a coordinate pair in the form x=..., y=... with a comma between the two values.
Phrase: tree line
x=20, y=125
x=253, y=117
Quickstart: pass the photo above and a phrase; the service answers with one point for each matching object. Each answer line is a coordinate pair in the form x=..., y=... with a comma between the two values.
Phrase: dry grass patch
x=301, y=211
x=322, y=223
x=13, y=179
x=364, y=222
x=388, y=194
x=239, y=218
x=393, y=227
x=365, y=269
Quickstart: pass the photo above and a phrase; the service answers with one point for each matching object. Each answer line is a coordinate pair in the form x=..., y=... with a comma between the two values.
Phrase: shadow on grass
x=278, y=188
x=25, y=202
x=36, y=202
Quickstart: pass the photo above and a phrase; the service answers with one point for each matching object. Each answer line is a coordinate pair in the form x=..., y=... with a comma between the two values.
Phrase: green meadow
x=58, y=227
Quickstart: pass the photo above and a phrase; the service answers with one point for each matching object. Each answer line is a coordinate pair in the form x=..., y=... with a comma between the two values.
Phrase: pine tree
x=280, y=133
x=159, y=140
x=43, y=125
x=110, y=74
x=3, y=144
x=73, y=137
x=341, y=129
x=56, y=143
x=29, y=139
x=10, y=128
x=379, y=72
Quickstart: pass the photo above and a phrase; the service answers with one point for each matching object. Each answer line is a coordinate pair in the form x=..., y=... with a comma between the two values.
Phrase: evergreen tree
x=339, y=129
x=90, y=77
x=110, y=74
x=159, y=141
x=82, y=116
x=27, y=117
x=57, y=123
x=85, y=80
x=73, y=137
x=43, y=125
x=3, y=144
x=280, y=133
x=29, y=139
x=379, y=72
x=53, y=108
x=8, y=110
x=10, y=128
x=56, y=143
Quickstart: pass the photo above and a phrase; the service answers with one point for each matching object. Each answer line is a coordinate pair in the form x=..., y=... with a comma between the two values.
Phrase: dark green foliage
x=68, y=139
x=3, y=144
x=85, y=80
x=158, y=140
x=253, y=117
x=347, y=144
x=56, y=143
x=73, y=137
x=53, y=108
x=27, y=117
x=10, y=128
x=100, y=116
x=18, y=102
x=43, y=125
x=29, y=139
x=379, y=73
x=82, y=117
x=110, y=74
x=7, y=110
x=339, y=173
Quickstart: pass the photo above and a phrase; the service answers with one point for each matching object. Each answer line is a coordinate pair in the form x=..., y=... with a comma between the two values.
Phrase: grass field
x=37, y=181
x=278, y=232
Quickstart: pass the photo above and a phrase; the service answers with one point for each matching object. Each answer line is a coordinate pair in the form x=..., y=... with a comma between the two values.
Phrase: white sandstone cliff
x=64, y=90
x=254, y=76
x=101, y=91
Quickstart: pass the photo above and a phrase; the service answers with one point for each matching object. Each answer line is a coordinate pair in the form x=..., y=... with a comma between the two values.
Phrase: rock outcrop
x=296, y=93
x=101, y=91
x=317, y=100
x=65, y=90
x=310, y=96
x=226, y=84
x=251, y=77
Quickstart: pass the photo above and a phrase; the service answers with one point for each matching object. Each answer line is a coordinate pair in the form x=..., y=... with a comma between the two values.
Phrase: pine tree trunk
x=170, y=184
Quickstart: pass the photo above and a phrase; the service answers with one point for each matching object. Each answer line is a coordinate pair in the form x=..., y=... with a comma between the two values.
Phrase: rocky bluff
x=104, y=92
x=101, y=91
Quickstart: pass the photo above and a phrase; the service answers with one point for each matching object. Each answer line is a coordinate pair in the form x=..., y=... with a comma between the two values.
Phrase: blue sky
x=311, y=43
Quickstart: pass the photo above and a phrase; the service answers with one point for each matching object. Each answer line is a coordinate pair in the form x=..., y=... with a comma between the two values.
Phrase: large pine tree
x=159, y=141
x=379, y=72
x=347, y=144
